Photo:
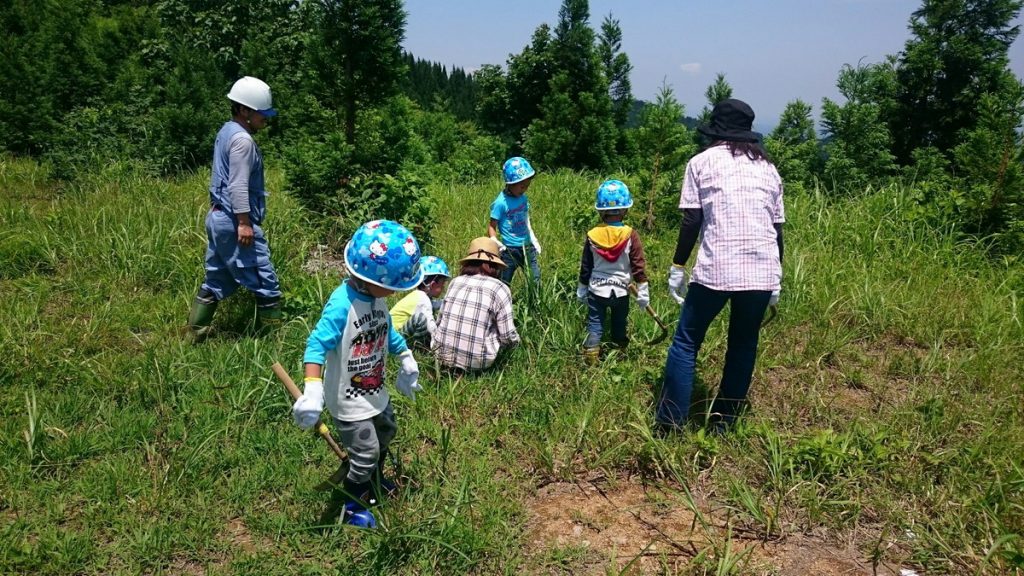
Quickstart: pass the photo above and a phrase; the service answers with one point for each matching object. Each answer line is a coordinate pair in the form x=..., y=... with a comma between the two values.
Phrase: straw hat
x=484, y=249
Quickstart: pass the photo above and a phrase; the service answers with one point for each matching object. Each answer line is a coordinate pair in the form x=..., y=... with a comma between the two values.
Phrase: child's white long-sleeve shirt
x=352, y=341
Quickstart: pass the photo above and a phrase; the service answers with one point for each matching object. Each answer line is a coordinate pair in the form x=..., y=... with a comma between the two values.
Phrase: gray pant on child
x=365, y=441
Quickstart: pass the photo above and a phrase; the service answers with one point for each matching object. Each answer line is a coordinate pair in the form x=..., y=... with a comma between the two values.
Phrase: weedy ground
x=885, y=428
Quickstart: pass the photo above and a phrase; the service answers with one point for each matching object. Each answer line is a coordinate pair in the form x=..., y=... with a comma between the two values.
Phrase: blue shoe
x=355, y=514
x=388, y=489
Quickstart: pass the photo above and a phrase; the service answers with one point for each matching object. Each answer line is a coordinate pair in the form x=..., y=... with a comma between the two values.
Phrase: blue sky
x=771, y=51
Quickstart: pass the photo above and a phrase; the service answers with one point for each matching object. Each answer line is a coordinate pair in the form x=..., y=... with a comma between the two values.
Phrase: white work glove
x=677, y=283
x=643, y=295
x=581, y=292
x=501, y=247
x=308, y=407
x=533, y=237
x=408, y=375
x=774, y=299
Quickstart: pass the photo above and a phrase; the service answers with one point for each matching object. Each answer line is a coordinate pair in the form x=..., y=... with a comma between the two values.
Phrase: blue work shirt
x=512, y=215
x=236, y=180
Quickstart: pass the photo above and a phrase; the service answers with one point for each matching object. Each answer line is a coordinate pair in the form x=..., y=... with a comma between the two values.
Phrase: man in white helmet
x=237, y=253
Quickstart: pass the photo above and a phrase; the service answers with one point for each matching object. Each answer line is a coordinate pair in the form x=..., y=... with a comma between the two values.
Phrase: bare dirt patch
x=238, y=535
x=592, y=527
x=322, y=259
x=869, y=376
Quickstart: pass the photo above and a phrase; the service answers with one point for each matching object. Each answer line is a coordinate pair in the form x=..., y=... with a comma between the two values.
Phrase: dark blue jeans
x=702, y=305
x=516, y=256
x=596, y=308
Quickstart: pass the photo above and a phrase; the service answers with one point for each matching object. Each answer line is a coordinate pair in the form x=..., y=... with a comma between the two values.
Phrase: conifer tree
x=859, y=148
x=793, y=145
x=958, y=52
x=357, y=55
x=664, y=141
x=719, y=90
x=617, y=68
x=576, y=128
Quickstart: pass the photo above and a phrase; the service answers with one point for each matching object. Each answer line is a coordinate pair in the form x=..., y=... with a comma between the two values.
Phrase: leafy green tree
x=958, y=52
x=48, y=66
x=858, y=152
x=356, y=55
x=793, y=146
x=990, y=166
x=234, y=35
x=529, y=81
x=577, y=128
x=493, y=109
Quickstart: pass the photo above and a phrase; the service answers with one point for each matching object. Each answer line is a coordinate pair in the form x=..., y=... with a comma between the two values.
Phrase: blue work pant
x=516, y=256
x=597, y=307
x=229, y=265
x=702, y=305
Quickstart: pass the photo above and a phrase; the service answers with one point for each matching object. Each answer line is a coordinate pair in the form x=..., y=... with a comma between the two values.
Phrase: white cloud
x=692, y=68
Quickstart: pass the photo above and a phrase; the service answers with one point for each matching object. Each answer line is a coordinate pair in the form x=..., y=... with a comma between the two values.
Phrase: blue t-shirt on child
x=511, y=214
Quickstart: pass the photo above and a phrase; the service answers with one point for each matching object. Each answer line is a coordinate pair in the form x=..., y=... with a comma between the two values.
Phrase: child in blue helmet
x=510, y=216
x=613, y=256
x=413, y=316
x=346, y=354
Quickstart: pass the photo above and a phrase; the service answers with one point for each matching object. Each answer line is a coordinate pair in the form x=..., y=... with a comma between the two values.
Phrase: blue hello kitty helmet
x=517, y=169
x=434, y=266
x=384, y=253
x=613, y=195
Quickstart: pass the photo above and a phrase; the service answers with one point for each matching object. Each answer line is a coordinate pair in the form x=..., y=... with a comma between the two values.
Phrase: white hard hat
x=254, y=93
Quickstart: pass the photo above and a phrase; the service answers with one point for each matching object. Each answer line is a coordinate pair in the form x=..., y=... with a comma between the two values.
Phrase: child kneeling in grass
x=613, y=256
x=476, y=316
x=346, y=354
x=413, y=315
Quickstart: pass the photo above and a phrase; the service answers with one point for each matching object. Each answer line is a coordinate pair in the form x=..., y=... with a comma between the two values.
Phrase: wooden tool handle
x=286, y=380
x=649, y=309
x=321, y=428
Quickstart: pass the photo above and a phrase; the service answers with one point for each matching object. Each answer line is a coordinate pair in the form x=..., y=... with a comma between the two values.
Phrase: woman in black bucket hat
x=732, y=198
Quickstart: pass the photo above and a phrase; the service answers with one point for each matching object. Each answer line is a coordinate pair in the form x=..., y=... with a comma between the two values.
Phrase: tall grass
x=885, y=409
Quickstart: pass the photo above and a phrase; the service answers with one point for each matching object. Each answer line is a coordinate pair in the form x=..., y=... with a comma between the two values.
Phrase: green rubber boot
x=200, y=318
x=591, y=356
x=269, y=316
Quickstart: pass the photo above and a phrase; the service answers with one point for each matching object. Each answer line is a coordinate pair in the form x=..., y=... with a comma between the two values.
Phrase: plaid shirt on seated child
x=475, y=323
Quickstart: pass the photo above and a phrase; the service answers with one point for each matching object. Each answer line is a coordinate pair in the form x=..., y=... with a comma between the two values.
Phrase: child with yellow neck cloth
x=613, y=257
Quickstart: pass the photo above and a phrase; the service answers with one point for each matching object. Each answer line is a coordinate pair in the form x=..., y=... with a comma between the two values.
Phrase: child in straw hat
x=476, y=317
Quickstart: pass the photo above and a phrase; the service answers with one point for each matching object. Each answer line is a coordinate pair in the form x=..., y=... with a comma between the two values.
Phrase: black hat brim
x=730, y=135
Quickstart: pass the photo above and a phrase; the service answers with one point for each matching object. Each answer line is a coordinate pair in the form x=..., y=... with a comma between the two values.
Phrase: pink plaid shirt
x=741, y=200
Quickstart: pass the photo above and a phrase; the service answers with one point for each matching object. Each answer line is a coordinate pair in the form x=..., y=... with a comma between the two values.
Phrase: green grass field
x=886, y=428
